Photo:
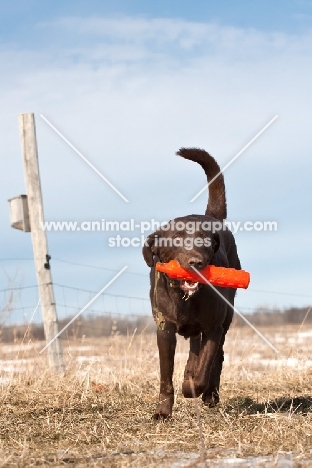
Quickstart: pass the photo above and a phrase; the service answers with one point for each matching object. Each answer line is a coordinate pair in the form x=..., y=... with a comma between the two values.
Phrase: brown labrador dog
x=193, y=310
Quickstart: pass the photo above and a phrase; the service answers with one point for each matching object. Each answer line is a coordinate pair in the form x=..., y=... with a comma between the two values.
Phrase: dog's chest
x=186, y=319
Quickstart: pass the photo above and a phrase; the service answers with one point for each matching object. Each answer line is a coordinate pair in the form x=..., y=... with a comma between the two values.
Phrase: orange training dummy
x=218, y=276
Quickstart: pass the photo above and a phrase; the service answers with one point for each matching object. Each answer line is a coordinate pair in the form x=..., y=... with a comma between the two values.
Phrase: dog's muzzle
x=189, y=287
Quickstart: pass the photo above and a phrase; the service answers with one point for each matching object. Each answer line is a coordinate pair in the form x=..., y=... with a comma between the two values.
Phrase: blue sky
x=291, y=16
x=129, y=83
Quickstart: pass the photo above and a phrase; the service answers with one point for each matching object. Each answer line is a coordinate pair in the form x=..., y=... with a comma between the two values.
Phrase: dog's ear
x=215, y=242
x=150, y=249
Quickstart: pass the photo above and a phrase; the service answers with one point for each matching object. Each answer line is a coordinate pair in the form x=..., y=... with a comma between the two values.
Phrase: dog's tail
x=217, y=201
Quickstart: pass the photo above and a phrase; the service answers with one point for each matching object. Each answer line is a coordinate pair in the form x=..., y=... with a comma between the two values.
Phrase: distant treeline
x=89, y=326
x=266, y=317
x=110, y=325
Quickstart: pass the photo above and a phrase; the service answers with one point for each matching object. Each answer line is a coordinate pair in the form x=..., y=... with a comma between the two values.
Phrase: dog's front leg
x=192, y=362
x=166, y=341
x=208, y=352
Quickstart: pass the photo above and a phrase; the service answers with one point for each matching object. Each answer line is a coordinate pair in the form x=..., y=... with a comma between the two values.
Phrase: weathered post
x=39, y=239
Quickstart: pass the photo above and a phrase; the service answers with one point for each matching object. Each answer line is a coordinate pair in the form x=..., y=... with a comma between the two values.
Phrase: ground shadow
x=296, y=405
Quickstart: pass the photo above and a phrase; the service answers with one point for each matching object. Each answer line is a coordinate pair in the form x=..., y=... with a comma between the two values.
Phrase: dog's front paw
x=164, y=408
x=191, y=389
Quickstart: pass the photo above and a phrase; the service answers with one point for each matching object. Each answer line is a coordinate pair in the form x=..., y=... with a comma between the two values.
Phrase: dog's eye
x=177, y=236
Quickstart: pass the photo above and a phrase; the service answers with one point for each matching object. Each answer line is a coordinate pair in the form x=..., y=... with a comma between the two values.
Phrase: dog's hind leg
x=166, y=341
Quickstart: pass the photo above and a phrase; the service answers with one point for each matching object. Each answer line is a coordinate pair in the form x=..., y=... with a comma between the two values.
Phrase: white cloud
x=137, y=30
x=160, y=32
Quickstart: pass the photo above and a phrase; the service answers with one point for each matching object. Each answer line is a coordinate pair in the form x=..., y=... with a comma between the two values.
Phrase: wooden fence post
x=39, y=239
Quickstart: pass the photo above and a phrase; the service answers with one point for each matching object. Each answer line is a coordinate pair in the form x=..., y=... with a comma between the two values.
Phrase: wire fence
x=69, y=301
x=111, y=313
x=17, y=301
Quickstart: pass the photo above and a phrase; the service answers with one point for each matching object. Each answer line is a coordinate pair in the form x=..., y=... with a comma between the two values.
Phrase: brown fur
x=204, y=317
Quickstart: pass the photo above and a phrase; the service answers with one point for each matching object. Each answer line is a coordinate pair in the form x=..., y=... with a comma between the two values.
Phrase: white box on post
x=19, y=214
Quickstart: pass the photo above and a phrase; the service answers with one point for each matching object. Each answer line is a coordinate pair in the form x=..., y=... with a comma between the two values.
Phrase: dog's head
x=191, y=241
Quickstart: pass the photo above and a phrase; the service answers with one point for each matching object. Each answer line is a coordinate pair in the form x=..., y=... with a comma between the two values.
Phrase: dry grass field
x=99, y=413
